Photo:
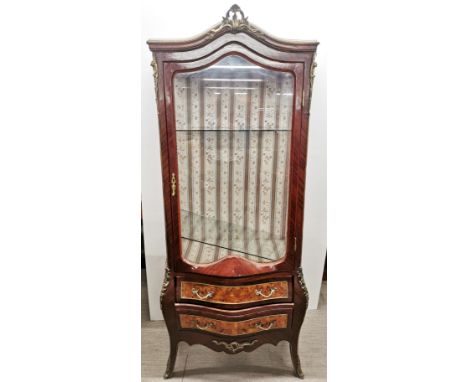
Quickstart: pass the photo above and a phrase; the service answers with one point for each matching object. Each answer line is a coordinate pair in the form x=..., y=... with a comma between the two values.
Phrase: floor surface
x=267, y=363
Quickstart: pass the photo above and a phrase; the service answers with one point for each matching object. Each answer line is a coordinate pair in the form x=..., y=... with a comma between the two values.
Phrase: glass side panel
x=233, y=123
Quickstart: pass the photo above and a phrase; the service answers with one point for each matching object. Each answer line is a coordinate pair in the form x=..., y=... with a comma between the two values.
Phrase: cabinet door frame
x=297, y=63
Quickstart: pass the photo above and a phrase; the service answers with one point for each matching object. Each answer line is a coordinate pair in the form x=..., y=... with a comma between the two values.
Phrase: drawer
x=235, y=295
x=234, y=328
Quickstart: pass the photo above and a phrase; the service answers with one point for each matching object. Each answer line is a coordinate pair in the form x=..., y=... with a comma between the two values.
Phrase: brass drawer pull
x=259, y=292
x=260, y=326
x=173, y=184
x=208, y=325
x=205, y=297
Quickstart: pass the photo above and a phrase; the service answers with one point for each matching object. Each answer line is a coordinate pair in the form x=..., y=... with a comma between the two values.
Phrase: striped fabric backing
x=233, y=144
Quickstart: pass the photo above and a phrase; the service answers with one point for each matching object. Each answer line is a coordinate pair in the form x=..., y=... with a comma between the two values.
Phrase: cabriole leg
x=171, y=360
x=295, y=359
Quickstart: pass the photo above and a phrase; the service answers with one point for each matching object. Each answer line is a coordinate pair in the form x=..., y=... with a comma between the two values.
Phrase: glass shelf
x=206, y=240
x=235, y=130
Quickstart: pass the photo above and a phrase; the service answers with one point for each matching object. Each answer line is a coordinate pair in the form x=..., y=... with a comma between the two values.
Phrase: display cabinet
x=233, y=107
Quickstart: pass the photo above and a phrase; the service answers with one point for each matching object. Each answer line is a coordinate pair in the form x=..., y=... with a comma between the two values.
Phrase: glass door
x=233, y=126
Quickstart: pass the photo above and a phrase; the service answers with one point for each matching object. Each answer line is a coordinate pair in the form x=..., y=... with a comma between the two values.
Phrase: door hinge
x=295, y=243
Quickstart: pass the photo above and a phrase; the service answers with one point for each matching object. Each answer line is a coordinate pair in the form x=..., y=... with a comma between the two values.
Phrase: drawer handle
x=195, y=291
x=259, y=292
x=208, y=325
x=260, y=326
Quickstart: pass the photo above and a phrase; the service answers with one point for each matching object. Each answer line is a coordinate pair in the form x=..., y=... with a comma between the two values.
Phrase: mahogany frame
x=240, y=37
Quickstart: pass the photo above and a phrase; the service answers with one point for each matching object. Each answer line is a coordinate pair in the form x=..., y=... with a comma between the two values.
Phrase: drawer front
x=234, y=328
x=242, y=294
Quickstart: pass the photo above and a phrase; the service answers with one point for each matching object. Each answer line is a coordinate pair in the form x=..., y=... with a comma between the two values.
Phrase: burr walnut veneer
x=233, y=107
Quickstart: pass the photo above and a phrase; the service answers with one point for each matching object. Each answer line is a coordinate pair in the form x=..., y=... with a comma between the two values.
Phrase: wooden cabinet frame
x=234, y=35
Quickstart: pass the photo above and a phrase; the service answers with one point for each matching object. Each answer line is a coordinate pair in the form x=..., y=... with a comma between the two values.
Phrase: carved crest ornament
x=234, y=23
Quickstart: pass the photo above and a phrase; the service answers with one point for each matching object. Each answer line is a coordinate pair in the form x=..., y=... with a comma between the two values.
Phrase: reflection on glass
x=233, y=122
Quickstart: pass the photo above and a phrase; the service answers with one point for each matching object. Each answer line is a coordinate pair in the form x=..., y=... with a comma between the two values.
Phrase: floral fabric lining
x=233, y=144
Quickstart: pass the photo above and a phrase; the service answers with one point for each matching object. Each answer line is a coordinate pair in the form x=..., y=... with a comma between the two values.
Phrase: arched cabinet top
x=234, y=23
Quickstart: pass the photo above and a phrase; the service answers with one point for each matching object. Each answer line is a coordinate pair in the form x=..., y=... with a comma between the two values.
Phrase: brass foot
x=299, y=373
x=167, y=375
